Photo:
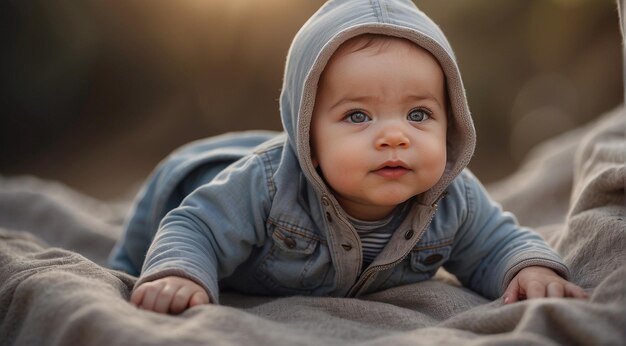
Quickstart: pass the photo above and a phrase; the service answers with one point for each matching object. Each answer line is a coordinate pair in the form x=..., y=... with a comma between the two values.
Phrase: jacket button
x=328, y=217
x=432, y=259
x=289, y=242
x=409, y=234
x=346, y=247
x=325, y=201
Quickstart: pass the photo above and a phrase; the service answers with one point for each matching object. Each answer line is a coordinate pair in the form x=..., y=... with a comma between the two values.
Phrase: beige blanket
x=54, y=289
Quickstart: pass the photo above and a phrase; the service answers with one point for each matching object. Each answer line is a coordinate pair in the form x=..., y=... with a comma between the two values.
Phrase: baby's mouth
x=392, y=169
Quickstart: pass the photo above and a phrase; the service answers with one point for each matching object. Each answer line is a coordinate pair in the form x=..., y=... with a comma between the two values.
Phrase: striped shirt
x=375, y=235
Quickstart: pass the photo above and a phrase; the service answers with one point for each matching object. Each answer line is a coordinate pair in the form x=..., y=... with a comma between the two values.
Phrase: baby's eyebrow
x=349, y=99
x=424, y=97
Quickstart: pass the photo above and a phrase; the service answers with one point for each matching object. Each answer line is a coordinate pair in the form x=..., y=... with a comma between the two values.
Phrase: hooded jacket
x=249, y=211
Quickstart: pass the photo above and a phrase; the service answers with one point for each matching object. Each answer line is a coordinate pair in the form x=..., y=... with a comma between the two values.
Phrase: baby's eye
x=357, y=117
x=418, y=115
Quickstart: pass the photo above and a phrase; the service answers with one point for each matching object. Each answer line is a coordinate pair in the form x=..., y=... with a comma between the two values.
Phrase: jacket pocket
x=427, y=259
x=421, y=264
x=297, y=262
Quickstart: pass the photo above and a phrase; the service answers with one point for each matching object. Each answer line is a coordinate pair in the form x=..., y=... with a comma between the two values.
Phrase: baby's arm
x=171, y=294
x=538, y=282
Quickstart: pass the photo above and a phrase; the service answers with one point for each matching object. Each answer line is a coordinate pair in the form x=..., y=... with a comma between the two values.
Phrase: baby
x=366, y=190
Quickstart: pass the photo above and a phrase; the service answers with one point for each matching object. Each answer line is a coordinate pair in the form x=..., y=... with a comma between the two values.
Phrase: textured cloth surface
x=53, y=289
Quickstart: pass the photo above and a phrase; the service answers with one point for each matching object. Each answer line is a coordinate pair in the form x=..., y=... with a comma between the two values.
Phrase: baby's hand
x=538, y=282
x=171, y=294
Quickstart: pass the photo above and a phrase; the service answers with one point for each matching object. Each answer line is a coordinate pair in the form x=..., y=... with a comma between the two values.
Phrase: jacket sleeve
x=213, y=230
x=490, y=247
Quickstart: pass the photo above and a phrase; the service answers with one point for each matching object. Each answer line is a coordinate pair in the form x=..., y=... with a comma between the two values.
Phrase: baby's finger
x=181, y=300
x=137, y=296
x=198, y=298
x=152, y=292
x=164, y=298
x=555, y=290
x=535, y=289
x=511, y=295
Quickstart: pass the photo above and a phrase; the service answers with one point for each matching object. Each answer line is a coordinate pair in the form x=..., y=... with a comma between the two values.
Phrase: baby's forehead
x=356, y=60
x=365, y=46
x=374, y=43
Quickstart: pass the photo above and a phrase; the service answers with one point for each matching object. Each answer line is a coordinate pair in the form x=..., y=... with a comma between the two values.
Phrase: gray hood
x=336, y=22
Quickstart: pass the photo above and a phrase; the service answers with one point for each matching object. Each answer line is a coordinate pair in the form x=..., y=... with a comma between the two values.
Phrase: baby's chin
x=379, y=208
x=392, y=197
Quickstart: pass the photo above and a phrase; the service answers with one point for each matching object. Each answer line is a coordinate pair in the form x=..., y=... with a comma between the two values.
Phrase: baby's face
x=378, y=130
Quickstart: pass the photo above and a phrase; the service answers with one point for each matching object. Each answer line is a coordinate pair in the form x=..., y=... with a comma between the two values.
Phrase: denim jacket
x=249, y=211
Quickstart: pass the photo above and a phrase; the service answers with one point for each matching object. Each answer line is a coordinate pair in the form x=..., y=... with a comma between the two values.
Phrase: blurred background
x=94, y=93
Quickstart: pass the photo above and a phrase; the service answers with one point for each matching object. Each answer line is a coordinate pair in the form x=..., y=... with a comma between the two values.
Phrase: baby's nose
x=392, y=138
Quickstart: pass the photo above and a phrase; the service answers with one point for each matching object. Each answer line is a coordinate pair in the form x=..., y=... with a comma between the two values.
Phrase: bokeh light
x=95, y=92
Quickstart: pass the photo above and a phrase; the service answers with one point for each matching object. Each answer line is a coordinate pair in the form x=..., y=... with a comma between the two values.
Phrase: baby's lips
x=392, y=172
x=393, y=164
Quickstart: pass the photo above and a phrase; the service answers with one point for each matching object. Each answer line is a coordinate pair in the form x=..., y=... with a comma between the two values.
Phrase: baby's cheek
x=343, y=171
x=432, y=160
x=433, y=149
